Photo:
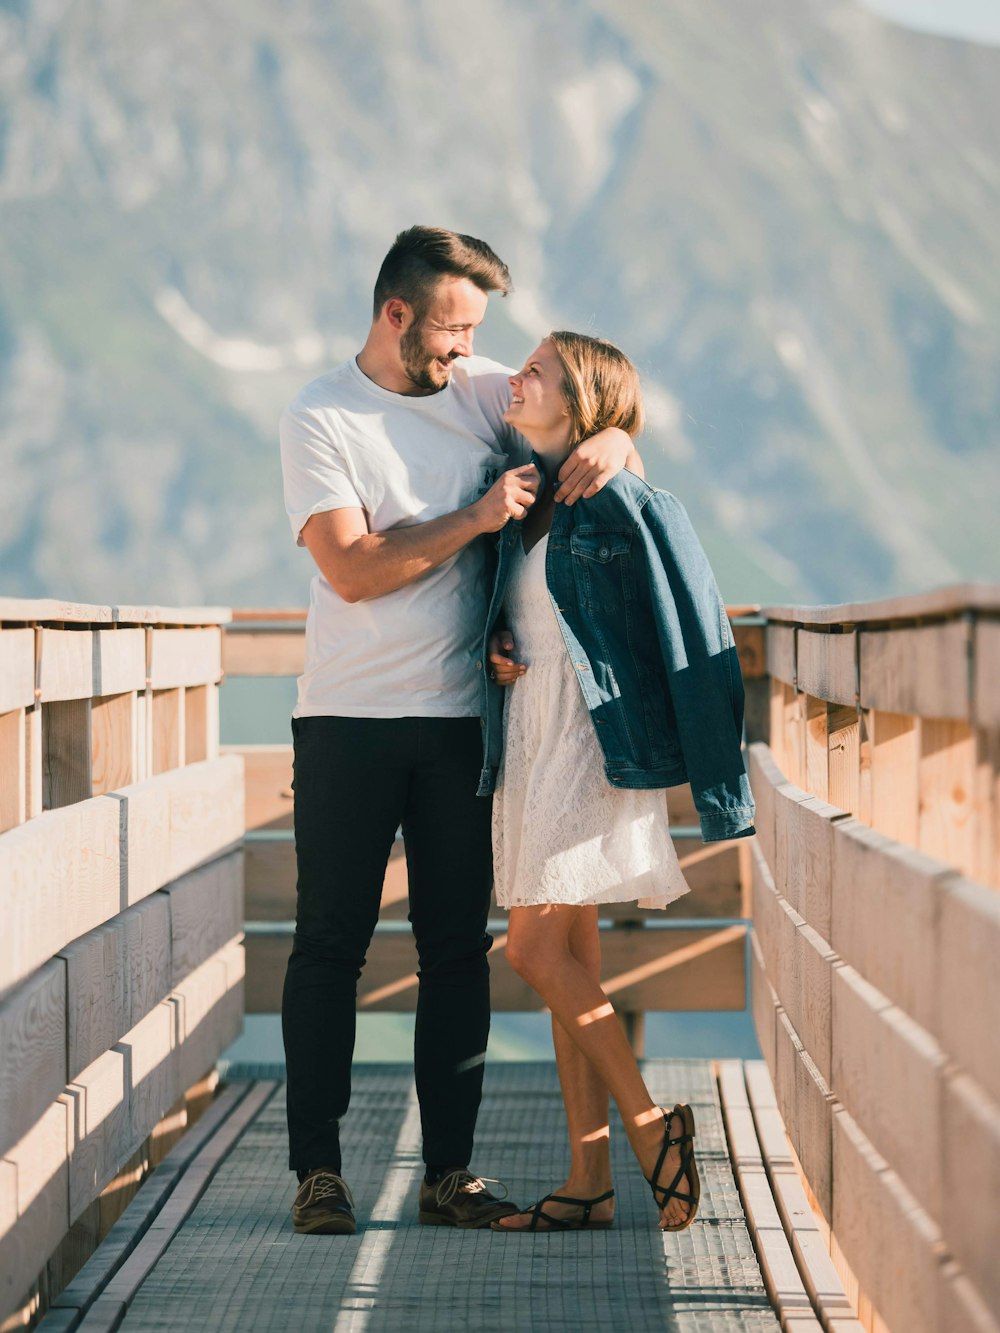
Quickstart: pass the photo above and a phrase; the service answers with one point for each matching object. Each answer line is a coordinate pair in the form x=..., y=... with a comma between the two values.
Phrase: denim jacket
x=649, y=639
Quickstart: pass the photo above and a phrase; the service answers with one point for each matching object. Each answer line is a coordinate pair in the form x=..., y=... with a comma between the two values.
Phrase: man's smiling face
x=431, y=344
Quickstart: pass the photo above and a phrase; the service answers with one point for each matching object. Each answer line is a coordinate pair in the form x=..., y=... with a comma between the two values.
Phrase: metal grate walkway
x=235, y=1263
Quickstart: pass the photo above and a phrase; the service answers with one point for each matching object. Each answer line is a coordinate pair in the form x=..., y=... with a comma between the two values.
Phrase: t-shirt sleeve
x=315, y=472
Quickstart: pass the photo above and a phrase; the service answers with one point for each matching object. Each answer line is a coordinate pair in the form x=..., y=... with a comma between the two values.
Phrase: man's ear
x=398, y=313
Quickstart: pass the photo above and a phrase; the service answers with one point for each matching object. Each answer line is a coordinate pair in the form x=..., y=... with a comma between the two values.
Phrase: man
x=395, y=463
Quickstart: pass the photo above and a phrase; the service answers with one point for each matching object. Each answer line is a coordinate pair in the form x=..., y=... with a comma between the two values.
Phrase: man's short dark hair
x=421, y=256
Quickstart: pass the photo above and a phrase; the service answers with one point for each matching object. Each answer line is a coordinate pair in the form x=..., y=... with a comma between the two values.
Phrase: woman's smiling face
x=538, y=406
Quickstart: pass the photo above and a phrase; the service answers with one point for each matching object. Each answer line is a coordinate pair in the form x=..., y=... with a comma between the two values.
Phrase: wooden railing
x=121, y=893
x=875, y=958
x=690, y=957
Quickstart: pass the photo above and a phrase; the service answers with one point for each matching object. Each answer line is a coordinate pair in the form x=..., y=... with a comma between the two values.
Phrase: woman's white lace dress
x=561, y=832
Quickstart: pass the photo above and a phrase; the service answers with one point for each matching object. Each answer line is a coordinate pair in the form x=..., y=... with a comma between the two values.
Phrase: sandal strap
x=538, y=1213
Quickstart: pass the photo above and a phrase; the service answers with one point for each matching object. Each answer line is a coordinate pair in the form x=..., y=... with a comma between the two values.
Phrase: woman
x=627, y=683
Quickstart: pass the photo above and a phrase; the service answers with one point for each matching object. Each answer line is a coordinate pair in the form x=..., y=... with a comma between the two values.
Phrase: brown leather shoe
x=323, y=1205
x=460, y=1199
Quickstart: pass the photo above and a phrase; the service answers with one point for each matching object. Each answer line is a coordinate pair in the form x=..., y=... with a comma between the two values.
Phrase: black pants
x=356, y=781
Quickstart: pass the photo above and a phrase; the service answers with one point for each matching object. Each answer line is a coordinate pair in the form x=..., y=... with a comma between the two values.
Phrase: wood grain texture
x=209, y=1006
x=894, y=754
x=116, y=975
x=32, y=1050
x=751, y=647
x=59, y=877
x=264, y=652
x=763, y=1002
x=66, y=664
x=181, y=657
x=119, y=661
x=67, y=761
x=817, y=777
x=806, y=1105
x=113, y=724
x=13, y=771
x=888, y=1073
x=952, y=600
x=967, y=994
x=781, y=653
x=826, y=666
x=843, y=732
x=17, y=669
x=922, y=671
x=167, y=730
x=947, y=791
x=804, y=835
x=152, y=1065
x=766, y=778
x=971, y=1151
x=34, y=767
x=39, y=1162
x=889, y=1241
x=102, y=1137
x=643, y=969
x=885, y=917
x=206, y=912
x=201, y=722
x=986, y=673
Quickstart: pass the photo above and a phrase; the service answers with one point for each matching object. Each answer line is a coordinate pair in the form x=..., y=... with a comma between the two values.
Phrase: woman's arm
x=594, y=462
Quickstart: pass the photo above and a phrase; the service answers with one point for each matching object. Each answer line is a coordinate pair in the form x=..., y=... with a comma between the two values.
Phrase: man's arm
x=359, y=564
x=594, y=462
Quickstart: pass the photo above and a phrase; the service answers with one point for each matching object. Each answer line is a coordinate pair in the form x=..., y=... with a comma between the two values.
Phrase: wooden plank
x=888, y=1073
x=947, y=786
x=32, y=1051
x=752, y=651
x=643, y=969
x=843, y=731
x=112, y=742
x=59, y=877
x=172, y=615
x=34, y=768
x=119, y=661
x=826, y=666
x=116, y=975
x=971, y=1151
x=986, y=807
x=949, y=601
x=792, y=759
x=13, y=774
x=986, y=673
x=894, y=741
x=922, y=671
x=41, y=1206
x=765, y=778
x=176, y=821
x=763, y=1003
x=209, y=1011
x=17, y=669
x=890, y=1243
x=168, y=730
x=38, y=609
x=206, y=912
x=804, y=835
x=65, y=664
x=152, y=1064
x=806, y=1105
x=781, y=653
x=966, y=1001
x=102, y=1130
x=264, y=652
x=269, y=796
x=185, y=657
x=885, y=917
x=816, y=745
x=67, y=763
x=201, y=723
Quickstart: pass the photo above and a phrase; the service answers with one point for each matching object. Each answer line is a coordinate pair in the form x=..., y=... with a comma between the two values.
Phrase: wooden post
x=113, y=742
x=66, y=753
x=168, y=730
x=843, y=735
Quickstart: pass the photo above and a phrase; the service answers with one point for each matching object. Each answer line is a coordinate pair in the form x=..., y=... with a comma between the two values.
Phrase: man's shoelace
x=464, y=1182
x=325, y=1185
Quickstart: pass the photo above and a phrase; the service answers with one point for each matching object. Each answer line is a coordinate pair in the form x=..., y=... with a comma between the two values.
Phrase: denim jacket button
x=479, y=666
x=603, y=553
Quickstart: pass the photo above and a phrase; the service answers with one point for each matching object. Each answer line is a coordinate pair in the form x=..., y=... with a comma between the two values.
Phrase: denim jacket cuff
x=720, y=825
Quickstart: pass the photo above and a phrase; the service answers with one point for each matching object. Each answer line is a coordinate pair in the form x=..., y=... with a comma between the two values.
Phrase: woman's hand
x=503, y=669
x=594, y=462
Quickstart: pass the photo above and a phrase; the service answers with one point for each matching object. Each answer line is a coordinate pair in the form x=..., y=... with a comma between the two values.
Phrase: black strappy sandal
x=538, y=1214
x=688, y=1167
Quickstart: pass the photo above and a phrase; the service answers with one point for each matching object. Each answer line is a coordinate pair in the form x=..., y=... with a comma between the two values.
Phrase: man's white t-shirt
x=346, y=442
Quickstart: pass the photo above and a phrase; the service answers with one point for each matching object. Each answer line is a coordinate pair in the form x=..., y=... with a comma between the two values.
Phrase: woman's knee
x=535, y=949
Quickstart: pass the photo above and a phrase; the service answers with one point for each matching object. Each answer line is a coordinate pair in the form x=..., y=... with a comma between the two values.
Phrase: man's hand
x=509, y=497
x=594, y=462
x=503, y=669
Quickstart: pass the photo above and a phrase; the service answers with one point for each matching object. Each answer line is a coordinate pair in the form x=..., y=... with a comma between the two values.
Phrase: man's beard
x=421, y=367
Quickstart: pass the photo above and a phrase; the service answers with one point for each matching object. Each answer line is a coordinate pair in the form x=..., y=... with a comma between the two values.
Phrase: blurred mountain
x=787, y=212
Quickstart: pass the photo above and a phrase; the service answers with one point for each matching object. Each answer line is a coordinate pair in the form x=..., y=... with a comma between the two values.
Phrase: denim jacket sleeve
x=702, y=666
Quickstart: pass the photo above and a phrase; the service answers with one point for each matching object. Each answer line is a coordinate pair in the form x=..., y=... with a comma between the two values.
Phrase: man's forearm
x=382, y=562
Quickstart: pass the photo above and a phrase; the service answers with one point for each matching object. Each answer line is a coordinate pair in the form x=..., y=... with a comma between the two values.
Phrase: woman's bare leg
x=538, y=948
x=585, y=1096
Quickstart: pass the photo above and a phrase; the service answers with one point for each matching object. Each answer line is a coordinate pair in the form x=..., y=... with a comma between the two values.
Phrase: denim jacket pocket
x=600, y=545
